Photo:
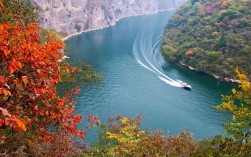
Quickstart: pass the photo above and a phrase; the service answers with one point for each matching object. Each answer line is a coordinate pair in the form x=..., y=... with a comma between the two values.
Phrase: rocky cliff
x=72, y=16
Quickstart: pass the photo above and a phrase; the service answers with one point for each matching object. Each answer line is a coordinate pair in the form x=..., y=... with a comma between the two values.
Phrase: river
x=138, y=81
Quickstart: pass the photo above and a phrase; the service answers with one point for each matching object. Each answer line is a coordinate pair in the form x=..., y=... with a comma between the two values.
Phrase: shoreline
x=117, y=20
x=229, y=80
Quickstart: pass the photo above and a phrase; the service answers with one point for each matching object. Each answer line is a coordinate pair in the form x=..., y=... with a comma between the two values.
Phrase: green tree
x=213, y=56
x=17, y=11
x=238, y=104
x=168, y=52
x=222, y=42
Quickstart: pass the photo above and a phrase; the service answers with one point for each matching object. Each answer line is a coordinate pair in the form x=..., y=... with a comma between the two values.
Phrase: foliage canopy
x=201, y=27
x=239, y=105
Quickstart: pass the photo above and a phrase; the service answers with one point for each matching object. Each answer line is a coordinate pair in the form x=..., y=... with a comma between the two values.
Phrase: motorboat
x=185, y=85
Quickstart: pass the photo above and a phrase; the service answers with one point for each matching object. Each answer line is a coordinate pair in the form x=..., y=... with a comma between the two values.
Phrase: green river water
x=138, y=81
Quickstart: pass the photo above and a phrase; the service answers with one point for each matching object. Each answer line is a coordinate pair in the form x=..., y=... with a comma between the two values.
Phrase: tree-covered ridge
x=213, y=36
x=21, y=11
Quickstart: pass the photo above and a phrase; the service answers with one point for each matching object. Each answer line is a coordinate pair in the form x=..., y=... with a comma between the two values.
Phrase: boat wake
x=145, y=52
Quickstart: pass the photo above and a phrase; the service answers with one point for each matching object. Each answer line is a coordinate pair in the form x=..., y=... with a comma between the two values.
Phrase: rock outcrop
x=72, y=16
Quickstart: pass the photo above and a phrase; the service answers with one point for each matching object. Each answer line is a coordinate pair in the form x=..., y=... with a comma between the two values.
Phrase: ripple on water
x=128, y=88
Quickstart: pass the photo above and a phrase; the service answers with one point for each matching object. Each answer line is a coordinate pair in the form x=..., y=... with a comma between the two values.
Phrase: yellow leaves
x=234, y=91
x=128, y=132
x=241, y=76
x=113, y=135
x=239, y=105
x=229, y=106
x=124, y=120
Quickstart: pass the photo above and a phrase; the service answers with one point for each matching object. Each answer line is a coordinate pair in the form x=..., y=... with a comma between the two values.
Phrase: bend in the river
x=138, y=81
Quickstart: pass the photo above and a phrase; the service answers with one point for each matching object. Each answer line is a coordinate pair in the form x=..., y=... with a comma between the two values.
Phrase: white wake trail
x=157, y=70
x=138, y=50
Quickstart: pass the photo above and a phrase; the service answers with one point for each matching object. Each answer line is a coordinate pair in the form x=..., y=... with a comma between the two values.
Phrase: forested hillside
x=212, y=36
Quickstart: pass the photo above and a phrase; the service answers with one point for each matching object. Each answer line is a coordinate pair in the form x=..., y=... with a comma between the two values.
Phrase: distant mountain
x=72, y=16
x=213, y=36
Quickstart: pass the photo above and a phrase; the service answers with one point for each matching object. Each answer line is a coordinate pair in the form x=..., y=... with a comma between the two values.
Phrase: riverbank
x=120, y=18
x=128, y=85
x=230, y=80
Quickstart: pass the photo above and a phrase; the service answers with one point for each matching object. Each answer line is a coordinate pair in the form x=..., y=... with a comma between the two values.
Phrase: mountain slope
x=213, y=36
x=72, y=16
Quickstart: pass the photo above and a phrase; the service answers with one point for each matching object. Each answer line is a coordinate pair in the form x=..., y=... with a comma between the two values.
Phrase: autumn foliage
x=1, y=5
x=29, y=72
x=238, y=104
x=123, y=137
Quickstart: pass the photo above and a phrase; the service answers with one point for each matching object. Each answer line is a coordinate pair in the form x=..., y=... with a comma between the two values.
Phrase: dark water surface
x=138, y=81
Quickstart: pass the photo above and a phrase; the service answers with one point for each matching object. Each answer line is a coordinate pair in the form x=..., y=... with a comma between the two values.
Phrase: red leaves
x=43, y=130
x=31, y=71
x=94, y=121
x=2, y=80
x=14, y=65
x=89, y=118
x=95, y=118
x=78, y=118
x=1, y=122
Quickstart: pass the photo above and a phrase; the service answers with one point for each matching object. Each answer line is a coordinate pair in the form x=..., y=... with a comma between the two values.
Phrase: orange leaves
x=14, y=65
x=11, y=69
x=6, y=52
x=189, y=53
x=1, y=5
x=13, y=121
x=5, y=92
x=29, y=74
x=19, y=65
x=20, y=125
x=2, y=79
